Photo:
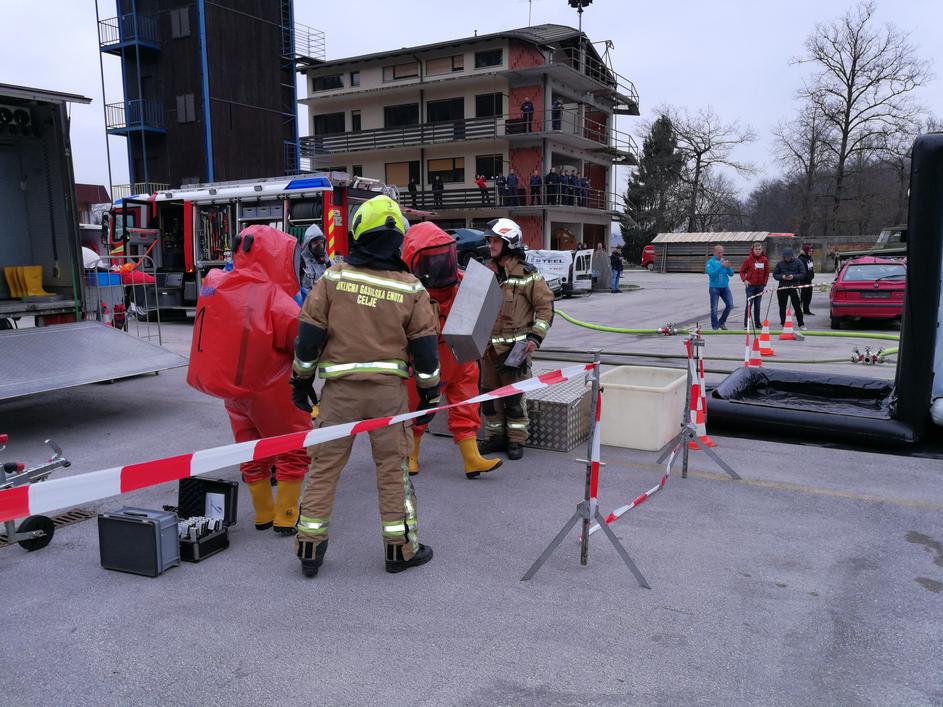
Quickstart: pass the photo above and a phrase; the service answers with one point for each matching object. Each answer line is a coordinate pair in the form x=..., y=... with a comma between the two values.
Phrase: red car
x=648, y=257
x=868, y=288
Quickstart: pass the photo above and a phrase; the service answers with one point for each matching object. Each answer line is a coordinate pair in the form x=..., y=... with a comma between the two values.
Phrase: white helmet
x=508, y=231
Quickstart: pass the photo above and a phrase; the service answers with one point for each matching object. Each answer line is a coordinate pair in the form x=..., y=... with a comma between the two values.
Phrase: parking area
x=815, y=580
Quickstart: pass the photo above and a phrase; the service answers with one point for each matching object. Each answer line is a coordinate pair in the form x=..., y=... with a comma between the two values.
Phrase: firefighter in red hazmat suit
x=430, y=253
x=242, y=351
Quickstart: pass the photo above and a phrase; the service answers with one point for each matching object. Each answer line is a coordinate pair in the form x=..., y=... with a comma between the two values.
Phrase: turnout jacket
x=526, y=307
x=370, y=317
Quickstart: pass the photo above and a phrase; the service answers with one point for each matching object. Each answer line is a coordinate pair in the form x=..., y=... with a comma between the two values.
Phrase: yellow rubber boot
x=475, y=464
x=414, y=456
x=13, y=282
x=286, y=505
x=32, y=278
x=20, y=280
x=262, y=503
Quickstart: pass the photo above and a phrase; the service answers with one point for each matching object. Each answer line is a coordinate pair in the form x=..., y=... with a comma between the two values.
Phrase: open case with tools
x=205, y=509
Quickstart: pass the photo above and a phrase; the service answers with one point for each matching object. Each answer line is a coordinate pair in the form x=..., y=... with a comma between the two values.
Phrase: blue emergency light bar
x=309, y=183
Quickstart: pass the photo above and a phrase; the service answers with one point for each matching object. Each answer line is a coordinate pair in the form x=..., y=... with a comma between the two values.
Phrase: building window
x=186, y=109
x=489, y=105
x=400, y=116
x=444, y=111
x=445, y=65
x=180, y=23
x=489, y=57
x=355, y=121
x=399, y=173
x=326, y=83
x=450, y=169
x=354, y=78
x=357, y=169
x=489, y=165
x=329, y=124
x=401, y=71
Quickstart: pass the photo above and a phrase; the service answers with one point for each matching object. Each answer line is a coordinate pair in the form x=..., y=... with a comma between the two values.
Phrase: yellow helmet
x=378, y=215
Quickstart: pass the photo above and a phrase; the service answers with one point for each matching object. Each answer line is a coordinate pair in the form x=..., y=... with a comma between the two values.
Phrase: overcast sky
x=732, y=55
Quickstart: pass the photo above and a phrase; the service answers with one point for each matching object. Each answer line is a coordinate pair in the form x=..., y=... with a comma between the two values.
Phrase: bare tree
x=802, y=146
x=707, y=143
x=863, y=84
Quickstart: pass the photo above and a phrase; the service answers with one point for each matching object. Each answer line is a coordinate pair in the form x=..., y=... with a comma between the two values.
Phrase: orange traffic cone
x=788, y=333
x=755, y=360
x=699, y=418
x=766, y=346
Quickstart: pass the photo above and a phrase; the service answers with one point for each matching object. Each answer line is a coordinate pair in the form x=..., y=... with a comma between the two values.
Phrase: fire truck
x=185, y=232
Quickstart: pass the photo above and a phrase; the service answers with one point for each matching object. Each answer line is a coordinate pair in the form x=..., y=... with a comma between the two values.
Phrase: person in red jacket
x=755, y=274
x=242, y=351
x=431, y=255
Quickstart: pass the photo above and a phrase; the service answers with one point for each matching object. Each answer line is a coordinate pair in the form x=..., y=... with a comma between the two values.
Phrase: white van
x=572, y=268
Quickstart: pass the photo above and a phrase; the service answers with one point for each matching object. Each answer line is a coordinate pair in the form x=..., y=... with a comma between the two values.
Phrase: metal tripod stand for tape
x=587, y=510
x=688, y=430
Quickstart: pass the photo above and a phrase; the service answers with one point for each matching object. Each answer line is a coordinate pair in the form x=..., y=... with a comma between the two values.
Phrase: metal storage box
x=473, y=314
x=559, y=415
x=138, y=541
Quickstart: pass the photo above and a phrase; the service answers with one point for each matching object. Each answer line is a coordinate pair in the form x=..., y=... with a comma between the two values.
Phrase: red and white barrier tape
x=595, y=457
x=641, y=498
x=777, y=289
x=54, y=494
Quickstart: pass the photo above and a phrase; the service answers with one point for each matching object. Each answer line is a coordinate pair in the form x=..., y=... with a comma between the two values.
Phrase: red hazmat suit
x=243, y=346
x=459, y=380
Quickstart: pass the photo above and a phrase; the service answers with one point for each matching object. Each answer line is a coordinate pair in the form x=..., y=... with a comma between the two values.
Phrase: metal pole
x=686, y=415
x=101, y=70
x=589, y=496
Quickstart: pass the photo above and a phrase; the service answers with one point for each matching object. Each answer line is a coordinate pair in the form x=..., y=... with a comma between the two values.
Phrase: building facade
x=440, y=115
x=209, y=88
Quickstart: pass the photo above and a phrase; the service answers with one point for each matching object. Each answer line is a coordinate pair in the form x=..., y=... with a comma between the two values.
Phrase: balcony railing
x=136, y=114
x=570, y=197
x=624, y=90
x=309, y=42
x=128, y=29
x=600, y=136
x=123, y=191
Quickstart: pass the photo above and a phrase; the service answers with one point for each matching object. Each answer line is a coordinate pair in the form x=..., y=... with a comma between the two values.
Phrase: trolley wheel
x=43, y=523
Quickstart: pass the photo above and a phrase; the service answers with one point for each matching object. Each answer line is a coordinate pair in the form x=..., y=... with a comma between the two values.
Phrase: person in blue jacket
x=718, y=280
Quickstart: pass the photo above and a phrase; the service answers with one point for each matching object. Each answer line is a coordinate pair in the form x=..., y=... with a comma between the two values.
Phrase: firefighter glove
x=428, y=398
x=302, y=392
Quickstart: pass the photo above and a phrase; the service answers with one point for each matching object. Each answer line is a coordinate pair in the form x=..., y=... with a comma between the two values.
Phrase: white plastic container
x=642, y=406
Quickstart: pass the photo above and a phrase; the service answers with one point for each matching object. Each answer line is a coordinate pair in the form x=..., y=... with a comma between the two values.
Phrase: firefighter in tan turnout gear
x=361, y=328
x=526, y=315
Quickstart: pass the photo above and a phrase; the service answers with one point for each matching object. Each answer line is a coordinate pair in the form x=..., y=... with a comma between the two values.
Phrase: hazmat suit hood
x=431, y=255
x=314, y=265
x=272, y=256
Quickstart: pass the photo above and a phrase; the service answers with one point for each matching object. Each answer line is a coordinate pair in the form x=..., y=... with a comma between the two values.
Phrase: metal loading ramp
x=66, y=355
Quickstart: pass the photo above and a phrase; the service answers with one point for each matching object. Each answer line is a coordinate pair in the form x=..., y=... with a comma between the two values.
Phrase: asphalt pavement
x=817, y=579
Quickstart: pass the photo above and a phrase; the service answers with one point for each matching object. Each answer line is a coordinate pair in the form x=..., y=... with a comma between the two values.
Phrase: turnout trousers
x=506, y=417
x=345, y=401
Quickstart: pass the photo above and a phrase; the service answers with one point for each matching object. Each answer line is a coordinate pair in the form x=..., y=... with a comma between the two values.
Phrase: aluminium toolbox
x=207, y=498
x=138, y=541
x=559, y=415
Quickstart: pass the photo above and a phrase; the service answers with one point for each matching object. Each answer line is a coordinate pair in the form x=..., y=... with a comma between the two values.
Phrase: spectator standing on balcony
x=437, y=188
x=502, y=186
x=482, y=185
x=535, y=184
x=584, y=192
x=412, y=191
x=513, y=186
x=552, y=184
x=527, y=113
x=556, y=115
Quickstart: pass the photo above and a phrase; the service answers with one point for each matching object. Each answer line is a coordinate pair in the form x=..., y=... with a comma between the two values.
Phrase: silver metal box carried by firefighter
x=559, y=415
x=473, y=314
